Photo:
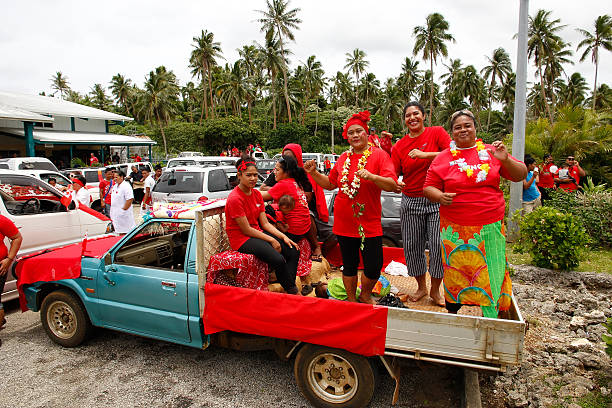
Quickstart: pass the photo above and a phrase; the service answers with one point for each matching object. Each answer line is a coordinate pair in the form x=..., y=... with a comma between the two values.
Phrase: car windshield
x=391, y=205
x=266, y=164
x=91, y=176
x=36, y=165
x=62, y=181
x=179, y=182
x=178, y=163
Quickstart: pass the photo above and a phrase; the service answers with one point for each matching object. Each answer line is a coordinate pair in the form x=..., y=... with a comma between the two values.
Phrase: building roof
x=13, y=113
x=46, y=105
x=93, y=138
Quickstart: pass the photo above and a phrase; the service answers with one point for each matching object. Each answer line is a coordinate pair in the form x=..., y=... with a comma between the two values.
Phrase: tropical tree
x=203, y=58
x=343, y=88
x=356, y=63
x=409, y=78
x=542, y=41
x=189, y=99
x=98, y=97
x=390, y=103
x=451, y=79
x=574, y=91
x=272, y=58
x=278, y=21
x=121, y=89
x=159, y=99
x=368, y=88
x=313, y=81
x=431, y=41
x=59, y=82
x=473, y=88
x=600, y=38
x=558, y=56
x=236, y=89
x=499, y=68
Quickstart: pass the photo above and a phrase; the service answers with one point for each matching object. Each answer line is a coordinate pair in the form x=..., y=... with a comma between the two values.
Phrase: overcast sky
x=90, y=41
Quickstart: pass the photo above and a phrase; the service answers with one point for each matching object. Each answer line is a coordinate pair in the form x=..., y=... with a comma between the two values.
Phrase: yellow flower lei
x=352, y=189
x=482, y=169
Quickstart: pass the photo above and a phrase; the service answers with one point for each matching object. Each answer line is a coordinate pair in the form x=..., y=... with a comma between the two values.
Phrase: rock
x=595, y=317
x=573, y=390
x=516, y=399
x=547, y=308
x=577, y=322
x=604, y=391
x=581, y=345
x=573, y=405
x=588, y=360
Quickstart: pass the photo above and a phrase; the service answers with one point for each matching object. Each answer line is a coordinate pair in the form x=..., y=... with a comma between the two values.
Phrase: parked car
x=318, y=157
x=189, y=154
x=202, y=161
x=92, y=175
x=27, y=163
x=391, y=202
x=63, y=182
x=265, y=167
x=190, y=183
x=260, y=155
x=35, y=208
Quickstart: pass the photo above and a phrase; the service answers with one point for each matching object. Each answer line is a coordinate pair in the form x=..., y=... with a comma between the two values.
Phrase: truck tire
x=64, y=318
x=330, y=377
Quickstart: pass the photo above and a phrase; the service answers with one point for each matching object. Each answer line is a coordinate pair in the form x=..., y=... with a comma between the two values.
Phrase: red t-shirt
x=345, y=223
x=374, y=140
x=386, y=144
x=93, y=160
x=7, y=229
x=547, y=178
x=475, y=203
x=238, y=205
x=105, y=186
x=297, y=219
x=433, y=139
x=571, y=186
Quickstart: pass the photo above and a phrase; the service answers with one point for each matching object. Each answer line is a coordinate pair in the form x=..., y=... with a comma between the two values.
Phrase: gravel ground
x=120, y=370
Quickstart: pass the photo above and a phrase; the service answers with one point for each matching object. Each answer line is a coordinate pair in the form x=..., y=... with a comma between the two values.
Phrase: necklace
x=352, y=189
x=474, y=172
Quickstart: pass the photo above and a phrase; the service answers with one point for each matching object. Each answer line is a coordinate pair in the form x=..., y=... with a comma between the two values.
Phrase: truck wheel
x=64, y=318
x=330, y=377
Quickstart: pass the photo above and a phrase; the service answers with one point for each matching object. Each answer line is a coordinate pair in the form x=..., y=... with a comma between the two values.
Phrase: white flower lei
x=352, y=189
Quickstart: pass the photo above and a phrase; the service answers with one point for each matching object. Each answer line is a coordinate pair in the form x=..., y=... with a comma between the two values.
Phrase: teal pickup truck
x=152, y=282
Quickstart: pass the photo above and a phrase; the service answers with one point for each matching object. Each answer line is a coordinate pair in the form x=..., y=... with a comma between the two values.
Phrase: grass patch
x=599, y=260
x=595, y=400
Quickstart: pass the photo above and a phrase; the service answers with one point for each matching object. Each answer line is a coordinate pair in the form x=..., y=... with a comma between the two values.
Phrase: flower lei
x=480, y=170
x=352, y=189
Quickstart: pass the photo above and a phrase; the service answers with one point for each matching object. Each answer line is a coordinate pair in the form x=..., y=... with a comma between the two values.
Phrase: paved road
x=120, y=370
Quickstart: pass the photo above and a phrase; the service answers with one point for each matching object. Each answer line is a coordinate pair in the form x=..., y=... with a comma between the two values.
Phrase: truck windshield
x=36, y=165
x=92, y=176
x=177, y=163
x=179, y=182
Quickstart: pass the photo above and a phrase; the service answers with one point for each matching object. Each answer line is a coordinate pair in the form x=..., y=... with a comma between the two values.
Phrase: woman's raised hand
x=500, y=152
x=310, y=166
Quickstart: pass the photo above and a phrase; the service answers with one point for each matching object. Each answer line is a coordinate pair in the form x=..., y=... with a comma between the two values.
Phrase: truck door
x=143, y=289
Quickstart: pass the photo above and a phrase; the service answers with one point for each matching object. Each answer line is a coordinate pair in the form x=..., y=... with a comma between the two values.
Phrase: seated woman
x=464, y=179
x=250, y=232
x=289, y=178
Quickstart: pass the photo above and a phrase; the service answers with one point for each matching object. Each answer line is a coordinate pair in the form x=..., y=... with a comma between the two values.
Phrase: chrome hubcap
x=332, y=378
x=61, y=320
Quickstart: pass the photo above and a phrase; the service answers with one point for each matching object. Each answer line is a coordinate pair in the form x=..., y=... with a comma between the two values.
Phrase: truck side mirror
x=108, y=259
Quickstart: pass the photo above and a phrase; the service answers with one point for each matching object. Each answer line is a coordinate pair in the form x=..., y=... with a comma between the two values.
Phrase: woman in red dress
x=360, y=173
x=250, y=232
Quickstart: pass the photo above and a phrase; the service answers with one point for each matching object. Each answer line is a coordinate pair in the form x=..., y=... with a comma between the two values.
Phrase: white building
x=33, y=125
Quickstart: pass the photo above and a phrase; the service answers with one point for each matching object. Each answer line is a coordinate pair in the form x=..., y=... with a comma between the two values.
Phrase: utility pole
x=520, y=107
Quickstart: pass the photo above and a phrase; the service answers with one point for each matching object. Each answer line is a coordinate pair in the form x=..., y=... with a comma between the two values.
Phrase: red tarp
x=356, y=327
x=59, y=263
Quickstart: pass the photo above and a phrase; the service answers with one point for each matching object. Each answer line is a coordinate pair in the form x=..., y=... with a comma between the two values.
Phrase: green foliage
x=183, y=137
x=76, y=162
x=232, y=130
x=287, y=133
x=592, y=207
x=553, y=239
x=608, y=339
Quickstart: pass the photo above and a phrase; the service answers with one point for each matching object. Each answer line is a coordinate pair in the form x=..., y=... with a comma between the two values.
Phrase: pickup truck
x=152, y=282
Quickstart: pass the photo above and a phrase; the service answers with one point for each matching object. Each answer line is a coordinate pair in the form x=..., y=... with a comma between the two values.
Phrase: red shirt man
x=93, y=160
x=547, y=176
x=575, y=172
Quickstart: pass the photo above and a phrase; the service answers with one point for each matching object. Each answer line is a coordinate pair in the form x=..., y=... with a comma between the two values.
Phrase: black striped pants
x=420, y=219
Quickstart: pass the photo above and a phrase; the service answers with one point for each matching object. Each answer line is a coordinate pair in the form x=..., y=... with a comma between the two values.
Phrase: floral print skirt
x=475, y=266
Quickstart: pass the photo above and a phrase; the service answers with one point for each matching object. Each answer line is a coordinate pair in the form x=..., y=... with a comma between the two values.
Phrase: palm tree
x=554, y=68
x=574, y=92
x=368, y=88
x=473, y=88
x=426, y=88
x=356, y=63
x=312, y=78
x=543, y=39
x=409, y=78
x=236, y=89
x=279, y=22
x=602, y=37
x=98, y=97
x=390, y=103
x=203, y=55
x=343, y=88
x=59, y=82
x=451, y=78
x=121, y=89
x=499, y=67
x=189, y=99
x=272, y=60
x=431, y=40
x=159, y=99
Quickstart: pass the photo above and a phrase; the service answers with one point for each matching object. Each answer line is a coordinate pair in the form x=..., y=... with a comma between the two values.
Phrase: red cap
x=77, y=181
x=360, y=119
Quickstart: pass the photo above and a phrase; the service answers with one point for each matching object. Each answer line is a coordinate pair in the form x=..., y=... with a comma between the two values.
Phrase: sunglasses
x=462, y=112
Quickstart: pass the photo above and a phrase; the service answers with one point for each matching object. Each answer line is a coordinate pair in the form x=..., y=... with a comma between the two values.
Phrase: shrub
x=553, y=239
x=76, y=163
x=593, y=208
x=608, y=339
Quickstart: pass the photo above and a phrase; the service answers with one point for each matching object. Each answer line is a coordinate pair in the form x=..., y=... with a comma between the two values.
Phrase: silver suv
x=189, y=183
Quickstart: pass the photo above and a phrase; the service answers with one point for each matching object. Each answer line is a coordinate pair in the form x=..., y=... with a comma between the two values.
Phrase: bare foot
x=418, y=295
x=316, y=253
x=438, y=299
x=369, y=300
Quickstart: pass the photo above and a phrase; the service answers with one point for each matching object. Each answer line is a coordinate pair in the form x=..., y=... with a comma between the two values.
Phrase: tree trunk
x=205, y=104
x=543, y=93
x=490, y=97
x=356, y=88
x=431, y=91
x=161, y=128
x=595, y=85
x=249, y=109
x=212, y=103
x=304, y=110
x=280, y=38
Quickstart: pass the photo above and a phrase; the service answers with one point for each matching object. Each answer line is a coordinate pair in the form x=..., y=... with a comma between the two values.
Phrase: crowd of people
x=451, y=200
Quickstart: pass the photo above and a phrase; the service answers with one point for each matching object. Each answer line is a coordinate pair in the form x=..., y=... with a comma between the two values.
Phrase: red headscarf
x=360, y=119
x=296, y=149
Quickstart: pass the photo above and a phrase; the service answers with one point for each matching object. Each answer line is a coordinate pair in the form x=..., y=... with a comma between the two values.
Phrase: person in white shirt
x=122, y=197
x=80, y=194
x=149, y=183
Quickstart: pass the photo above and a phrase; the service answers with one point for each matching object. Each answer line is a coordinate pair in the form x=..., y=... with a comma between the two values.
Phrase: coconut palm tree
x=356, y=63
x=158, y=101
x=278, y=21
x=600, y=38
x=390, y=103
x=272, y=58
x=426, y=88
x=236, y=89
x=431, y=40
x=542, y=41
x=554, y=60
x=121, y=89
x=451, y=79
x=59, y=82
x=368, y=88
x=189, y=99
x=98, y=97
x=342, y=85
x=574, y=91
x=313, y=81
x=203, y=58
x=499, y=68
x=409, y=78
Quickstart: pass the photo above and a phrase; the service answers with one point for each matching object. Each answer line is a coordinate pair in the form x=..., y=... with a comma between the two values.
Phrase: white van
x=260, y=155
x=202, y=161
x=27, y=163
x=44, y=222
x=318, y=157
